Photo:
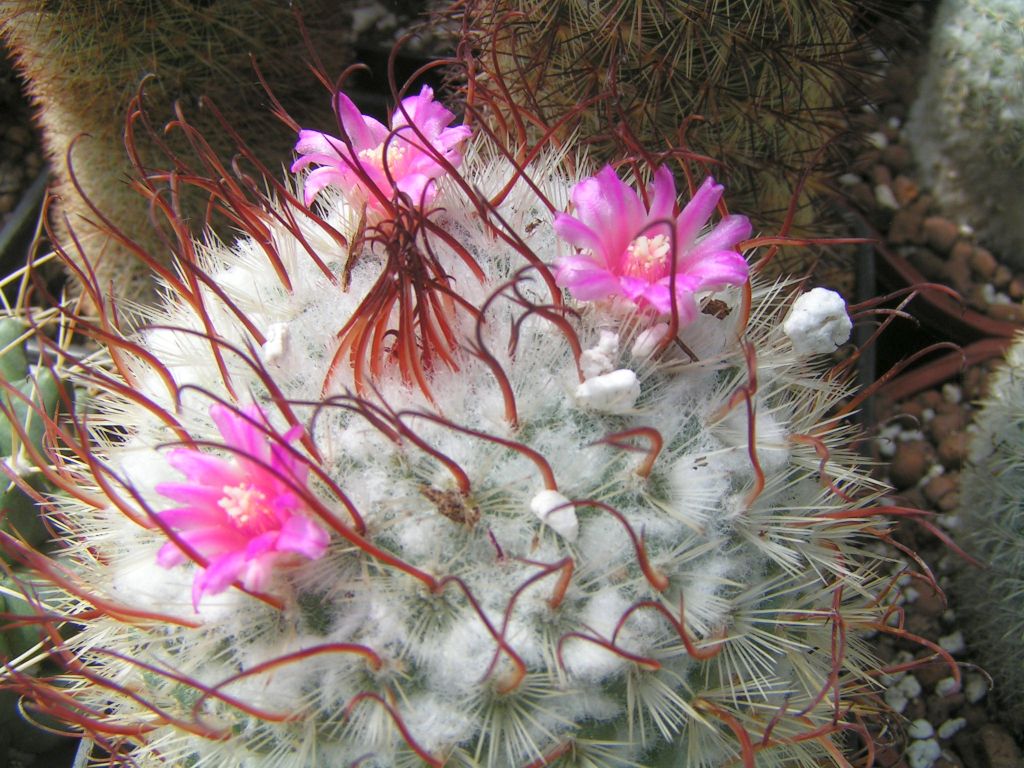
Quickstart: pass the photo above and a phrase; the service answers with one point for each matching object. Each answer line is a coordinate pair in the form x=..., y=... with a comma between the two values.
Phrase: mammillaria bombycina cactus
x=515, y=469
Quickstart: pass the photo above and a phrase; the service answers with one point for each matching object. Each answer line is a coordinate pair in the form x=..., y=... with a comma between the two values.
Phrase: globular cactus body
x=370, y=491
x=967, y=123
x=993, y=529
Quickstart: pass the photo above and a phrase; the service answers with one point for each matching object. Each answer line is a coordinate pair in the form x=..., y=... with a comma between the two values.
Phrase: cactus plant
x=967, y=123
x=369, y=488
x=769, y=84
x=83, y=63
x=29, y=397
x=992, y=528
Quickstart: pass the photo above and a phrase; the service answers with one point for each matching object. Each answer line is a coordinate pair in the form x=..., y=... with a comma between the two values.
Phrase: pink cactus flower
x=627, y=251
x=240, y=513
x=381, y=161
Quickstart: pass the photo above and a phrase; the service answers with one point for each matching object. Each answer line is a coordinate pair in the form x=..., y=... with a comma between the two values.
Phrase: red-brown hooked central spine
x=408, y=315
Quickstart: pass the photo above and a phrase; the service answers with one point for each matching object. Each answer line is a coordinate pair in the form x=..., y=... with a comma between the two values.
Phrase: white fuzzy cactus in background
x=369, y=490
x=967, y=123
x=993, y=529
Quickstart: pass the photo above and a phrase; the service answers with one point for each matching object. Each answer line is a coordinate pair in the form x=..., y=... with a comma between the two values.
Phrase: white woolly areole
x=614, y=392
x=600, y=359
x=818, y=323
x=276, y=346
x=648, y=340
x=556, y=512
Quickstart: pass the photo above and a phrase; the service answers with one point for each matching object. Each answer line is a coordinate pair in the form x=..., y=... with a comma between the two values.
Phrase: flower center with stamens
x=246, y=507
x=396, y=152
x=647, y=257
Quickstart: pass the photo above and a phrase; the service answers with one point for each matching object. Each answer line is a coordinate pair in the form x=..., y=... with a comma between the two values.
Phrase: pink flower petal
x=320, y=179
x=242, y=511
x=626, y=251
x=715, y=269
x=190, y=493
x=585, y=279
x=696, y=213
x=206, y=513
x=319, y=148
x=728, y=233
x=419, y=188
x=363, y=131
x=170, y=555
x=611, y=209
x=302, y=535
x=575, y=232
x=218, y=577
x=202, y=468
x=663, y=195
x=383, y=163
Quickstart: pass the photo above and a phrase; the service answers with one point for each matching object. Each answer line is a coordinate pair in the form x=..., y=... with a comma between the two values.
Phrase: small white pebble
x=365, y=17
x=975, y=688
x=911, y=434
x=927, y=414
x=911, y=594
x=965, y=229
x=946, y=687
x=952, y=393
x=1001, y=298
x=954, y=643
x=920, y=729
x=910, y=686
x=614, y=392
x=895, y=700
x=952, y=726
x=948, y=616
x=849, y=179
x=950, y=522
x=885, y=197
x=923, y=754
x=817, y=322
x=889, y=681
x=878, y=140
x=988, y=293
x=905, y=580
x=894, y=123
x=885, y=442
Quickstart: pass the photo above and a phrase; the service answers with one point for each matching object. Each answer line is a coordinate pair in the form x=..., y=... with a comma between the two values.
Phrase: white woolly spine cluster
x=967, y=124
x=597, y=613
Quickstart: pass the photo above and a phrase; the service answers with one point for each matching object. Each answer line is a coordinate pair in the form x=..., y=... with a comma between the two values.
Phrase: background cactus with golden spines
x=763, y=89
x=84, y=61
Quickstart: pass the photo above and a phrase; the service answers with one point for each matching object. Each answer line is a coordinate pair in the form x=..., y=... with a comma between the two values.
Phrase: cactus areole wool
x=462, y=459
